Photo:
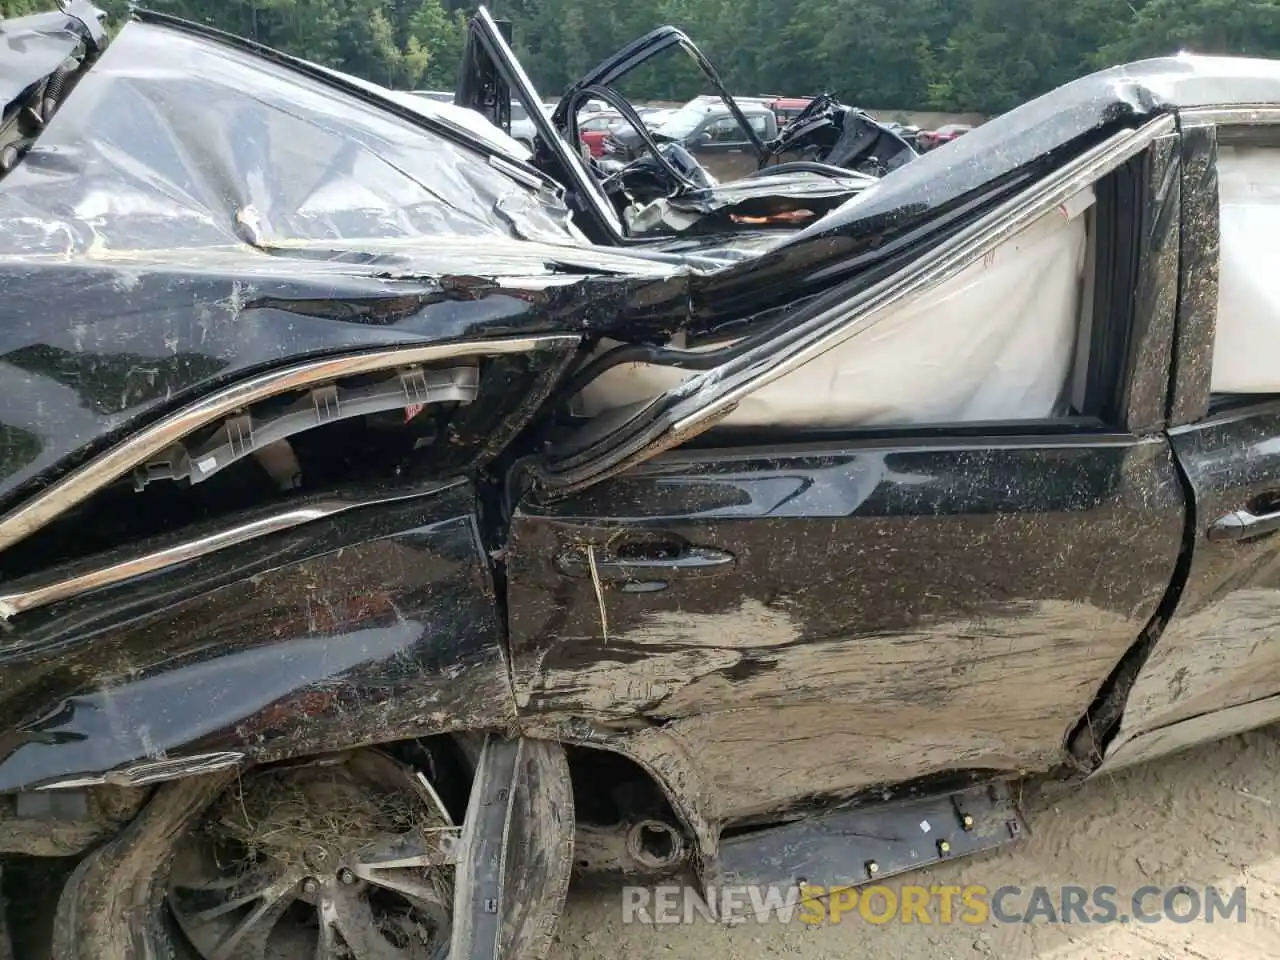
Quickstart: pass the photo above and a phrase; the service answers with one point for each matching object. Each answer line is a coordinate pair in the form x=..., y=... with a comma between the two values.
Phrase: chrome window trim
x=42, y=590
x=1230, y=116
x=104, y=469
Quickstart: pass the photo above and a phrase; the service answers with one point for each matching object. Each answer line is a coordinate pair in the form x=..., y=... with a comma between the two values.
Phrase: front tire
x=351, y=856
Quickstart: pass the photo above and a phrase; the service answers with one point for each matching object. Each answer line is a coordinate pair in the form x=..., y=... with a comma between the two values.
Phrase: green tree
x=1239, y=27
x=437, y=36
x=983, y=55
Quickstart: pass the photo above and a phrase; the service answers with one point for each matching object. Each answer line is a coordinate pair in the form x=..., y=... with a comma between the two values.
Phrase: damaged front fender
x=375, y=623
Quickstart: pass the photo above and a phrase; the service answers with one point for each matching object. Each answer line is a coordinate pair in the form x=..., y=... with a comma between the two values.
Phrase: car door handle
x=1244, y=525
x=659, y=565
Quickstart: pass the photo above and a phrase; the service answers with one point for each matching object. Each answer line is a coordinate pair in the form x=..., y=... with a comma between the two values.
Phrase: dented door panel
x=371, y=625
x=1220, y=650
x=820, y=619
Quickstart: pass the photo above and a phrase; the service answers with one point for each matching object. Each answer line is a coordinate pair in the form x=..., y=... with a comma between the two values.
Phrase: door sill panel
x=851, y=847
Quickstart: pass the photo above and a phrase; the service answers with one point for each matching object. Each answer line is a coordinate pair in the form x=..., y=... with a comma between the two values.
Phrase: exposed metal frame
x=84, y=482
x=483, y=30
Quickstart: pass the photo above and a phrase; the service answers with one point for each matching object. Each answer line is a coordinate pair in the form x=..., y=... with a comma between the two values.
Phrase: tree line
x=956, y=55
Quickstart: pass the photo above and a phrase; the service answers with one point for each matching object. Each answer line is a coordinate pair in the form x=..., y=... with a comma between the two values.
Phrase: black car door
x=831, y=616
x=803, y=613
x=1215, y=667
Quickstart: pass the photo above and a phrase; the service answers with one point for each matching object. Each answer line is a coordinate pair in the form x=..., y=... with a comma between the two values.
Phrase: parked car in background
x=709, y=132
x=656, y=116
x=594, y=118
x=932, y=139
x=787, y=109
x=522, y=125
x=907, y=131
x=595, y=128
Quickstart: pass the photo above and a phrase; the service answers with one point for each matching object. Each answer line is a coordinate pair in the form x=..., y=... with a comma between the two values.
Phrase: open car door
x=628, y=206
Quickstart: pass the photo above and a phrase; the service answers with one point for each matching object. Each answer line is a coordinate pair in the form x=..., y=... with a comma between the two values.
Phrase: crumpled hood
x=175, y=141
x=196, y=211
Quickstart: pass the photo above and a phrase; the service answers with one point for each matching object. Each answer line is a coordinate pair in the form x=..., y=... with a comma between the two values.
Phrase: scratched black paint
x=1156, y=297
x=897, y=609
x=1221, y=646
x=334, y=633
x=982, y=590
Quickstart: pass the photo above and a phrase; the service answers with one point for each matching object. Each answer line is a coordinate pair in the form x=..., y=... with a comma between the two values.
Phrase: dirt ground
x=1207, y=817
x=1210, y=816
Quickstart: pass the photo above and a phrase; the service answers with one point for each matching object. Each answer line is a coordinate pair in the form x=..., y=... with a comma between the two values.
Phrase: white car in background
x=522, y=125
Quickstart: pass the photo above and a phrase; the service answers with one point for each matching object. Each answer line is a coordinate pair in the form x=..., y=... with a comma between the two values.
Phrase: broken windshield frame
x=484, y=37
x=559, y=131
x=633, y=56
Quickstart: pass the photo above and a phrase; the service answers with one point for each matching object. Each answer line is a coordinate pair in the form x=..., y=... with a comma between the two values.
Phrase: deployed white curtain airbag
x=995, y=342
x=1246, y=350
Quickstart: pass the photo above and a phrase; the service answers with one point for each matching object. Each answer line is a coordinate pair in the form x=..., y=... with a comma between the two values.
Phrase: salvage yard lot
x=1209, y=817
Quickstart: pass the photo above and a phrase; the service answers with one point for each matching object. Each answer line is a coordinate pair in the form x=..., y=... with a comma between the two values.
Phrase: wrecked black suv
x=390, y=529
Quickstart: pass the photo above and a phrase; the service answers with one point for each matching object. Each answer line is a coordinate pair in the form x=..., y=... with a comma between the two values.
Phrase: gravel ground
x=1207, y=817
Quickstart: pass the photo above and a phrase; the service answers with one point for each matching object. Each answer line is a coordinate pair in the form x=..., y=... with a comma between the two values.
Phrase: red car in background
x=592, y=130
x=932, y=139
x=787, y=109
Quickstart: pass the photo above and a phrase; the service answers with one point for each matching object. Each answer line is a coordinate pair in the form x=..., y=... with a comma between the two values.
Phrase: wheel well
x=609, y=788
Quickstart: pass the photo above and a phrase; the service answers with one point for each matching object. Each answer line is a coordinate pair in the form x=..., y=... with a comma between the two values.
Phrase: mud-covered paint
x=377, y=624
x=1198, y=276
x=1156, y=296
x=1183, y=734
x=895, y=609
x=1221, y=646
